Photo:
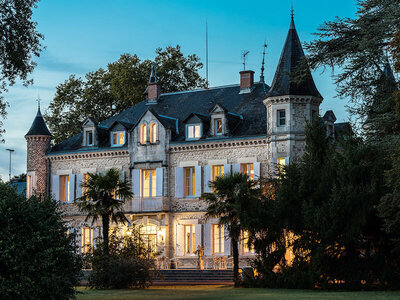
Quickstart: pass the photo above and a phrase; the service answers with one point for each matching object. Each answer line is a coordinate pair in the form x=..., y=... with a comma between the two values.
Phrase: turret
x=38, y=143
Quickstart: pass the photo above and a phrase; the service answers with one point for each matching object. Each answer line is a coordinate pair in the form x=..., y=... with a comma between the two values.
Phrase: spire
x=291, y=58
x=263, y=62
x=39, y=126
x=153, y=75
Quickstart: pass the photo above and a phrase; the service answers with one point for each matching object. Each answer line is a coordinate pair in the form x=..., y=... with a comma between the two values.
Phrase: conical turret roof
x=39, y=126
x=291, y=57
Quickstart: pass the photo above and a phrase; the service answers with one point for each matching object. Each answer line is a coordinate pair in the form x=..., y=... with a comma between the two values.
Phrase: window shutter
x=56, y=187
x=178, y=182
x=207, y=178
x=136, y=182
x=71, y=230
x=197, y=237
x=121, y=175
x=96, y=233
x=159, y=182
x=287, y=161
x=256, y=167
x=179, y=240
x=227, y=242
x=71, y=188
x=227, y=170
x=79, y=180
x=207, y=239
x=236, y=168
x=197, y=171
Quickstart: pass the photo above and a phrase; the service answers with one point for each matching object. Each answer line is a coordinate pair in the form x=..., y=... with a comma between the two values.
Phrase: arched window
x=153, y=133
x=143, y=134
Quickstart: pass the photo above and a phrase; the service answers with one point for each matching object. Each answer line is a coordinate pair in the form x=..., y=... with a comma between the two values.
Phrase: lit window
x=190, y=184
x=218, y=238
x=64, y=188
x=189, y=231
x=247, y=169
x=194, y=131
x=148, y=183
x=153, y=133
x=281, y=161
x=281, y=117
x=28, y=186
x=118, y=138
x=143, y=134
x=89, y=138
x=244, y=243
x=148, y=234
x=218, y=126
x=217, y=171
x=87, y=239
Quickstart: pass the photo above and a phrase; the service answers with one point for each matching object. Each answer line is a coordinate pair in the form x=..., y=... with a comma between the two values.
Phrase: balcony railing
x=149, y=204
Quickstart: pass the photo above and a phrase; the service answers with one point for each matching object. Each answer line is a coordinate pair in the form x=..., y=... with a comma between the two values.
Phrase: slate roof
x=173, y=108
x=39, y=126
x=292, y=56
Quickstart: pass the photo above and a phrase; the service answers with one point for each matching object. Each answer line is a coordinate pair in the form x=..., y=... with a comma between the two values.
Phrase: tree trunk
x=235, y=252
x=106, y=226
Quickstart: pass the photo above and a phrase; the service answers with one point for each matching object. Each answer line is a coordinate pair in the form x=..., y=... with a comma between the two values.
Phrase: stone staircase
x=194, y=277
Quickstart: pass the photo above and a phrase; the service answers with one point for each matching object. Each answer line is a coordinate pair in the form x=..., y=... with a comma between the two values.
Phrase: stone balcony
x=139, y=204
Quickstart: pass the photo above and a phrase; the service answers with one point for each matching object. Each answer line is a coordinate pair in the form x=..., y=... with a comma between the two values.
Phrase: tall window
x=28, y=186
x=281, y=161
x=190, y=183
x=153, y=133
x=218, y=239
x=149, y=183
x=281, y=117
x=143, y=134
x=244, y=243
x=189, y=231
x=149, y=235
x=85, y=178
x=87, y=239
x=89, y=138
x=247, y=169
x=217, y=171
x=118, y=138
x=194, y=131
x=218, y=126
x=64, y=188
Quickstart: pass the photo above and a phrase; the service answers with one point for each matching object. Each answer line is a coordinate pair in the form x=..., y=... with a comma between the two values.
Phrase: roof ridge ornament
x=292, y=26
x=153, y=75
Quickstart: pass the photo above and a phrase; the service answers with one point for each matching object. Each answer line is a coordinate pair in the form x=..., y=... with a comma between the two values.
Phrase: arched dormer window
x=143, y=134
x=153, y=133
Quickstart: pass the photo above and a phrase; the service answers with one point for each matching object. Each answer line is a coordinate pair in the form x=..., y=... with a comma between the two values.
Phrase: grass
x=228, y=292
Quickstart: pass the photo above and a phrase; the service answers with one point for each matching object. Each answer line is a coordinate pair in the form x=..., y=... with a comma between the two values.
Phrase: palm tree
x=230, y=192
x=103, y=197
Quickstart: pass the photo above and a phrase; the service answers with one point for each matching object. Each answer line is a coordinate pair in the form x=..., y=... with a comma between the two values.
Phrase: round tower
x=38, y=143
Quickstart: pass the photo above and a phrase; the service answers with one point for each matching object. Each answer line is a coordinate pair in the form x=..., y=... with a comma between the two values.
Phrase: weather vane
x=38, y=101
x=292, y=11
x=244, y=54
x=263, y=61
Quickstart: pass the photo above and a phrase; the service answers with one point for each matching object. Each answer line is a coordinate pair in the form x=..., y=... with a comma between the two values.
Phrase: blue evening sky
x=83, y=35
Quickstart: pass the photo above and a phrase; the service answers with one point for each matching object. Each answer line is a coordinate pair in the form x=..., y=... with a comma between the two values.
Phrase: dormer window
x=153, y=133
x=281, y=117
x=218, y=126
x=193, y=132
x=89, y=138
x=118, y=138
x=143, y=134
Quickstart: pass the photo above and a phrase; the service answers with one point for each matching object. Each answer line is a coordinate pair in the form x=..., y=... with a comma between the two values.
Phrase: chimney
x=154, y=87
x=246, y=81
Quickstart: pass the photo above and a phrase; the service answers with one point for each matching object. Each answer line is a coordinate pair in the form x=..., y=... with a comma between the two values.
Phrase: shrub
x=129, y=264
x=37, y=257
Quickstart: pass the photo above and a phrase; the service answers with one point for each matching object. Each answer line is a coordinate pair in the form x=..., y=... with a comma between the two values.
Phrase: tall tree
x=106, y=92
x=19, y=43
x=103, y=198
x=229, y=191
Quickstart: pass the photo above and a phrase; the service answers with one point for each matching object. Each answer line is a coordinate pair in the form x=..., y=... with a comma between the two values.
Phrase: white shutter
x=256, y=167
x=287, y=161
x=159, y=182
x=136, y=182
x=207, y=178
x=71, y=188
x=79, y=180
x=197, y=171
x=55, y=187
x=207, y=239
x=227, y=242
x=121, y=176
x=197, y=237
x=227, y=170
x=71, y=230
x=178, y=182
x=96, y=232
x=236, y=168
x=179, y=240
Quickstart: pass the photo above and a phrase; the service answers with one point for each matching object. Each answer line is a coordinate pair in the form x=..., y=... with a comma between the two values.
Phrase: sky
x=84, y=35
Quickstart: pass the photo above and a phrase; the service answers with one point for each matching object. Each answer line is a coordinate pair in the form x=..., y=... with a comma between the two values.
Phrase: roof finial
x=153, y=75
x=263, y=61
x=38, y=101
x=292, y=11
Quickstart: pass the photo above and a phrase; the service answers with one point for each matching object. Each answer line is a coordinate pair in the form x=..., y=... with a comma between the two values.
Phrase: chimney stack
x=246, y=81
x=154, y=87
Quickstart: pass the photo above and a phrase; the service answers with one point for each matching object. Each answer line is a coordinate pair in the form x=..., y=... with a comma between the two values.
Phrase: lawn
x=227, y=292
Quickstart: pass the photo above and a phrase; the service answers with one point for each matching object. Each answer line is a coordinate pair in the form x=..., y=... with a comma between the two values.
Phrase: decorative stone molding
x=219, y=144
x=74, y=156
x=292, y=99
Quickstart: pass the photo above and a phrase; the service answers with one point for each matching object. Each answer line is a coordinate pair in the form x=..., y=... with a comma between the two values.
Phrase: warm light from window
x=28, y=186
x=218, y=126
x=190, y=184
x=247, y=169
x=149, y=183
x=218, y=239
x=118, y=138
x=281, y=161
x=64, y=188
x=87, y=239
x=189, y=232
x=153, y=133
x=194, y=131
x=143, y=134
